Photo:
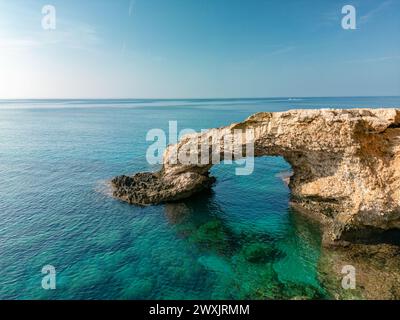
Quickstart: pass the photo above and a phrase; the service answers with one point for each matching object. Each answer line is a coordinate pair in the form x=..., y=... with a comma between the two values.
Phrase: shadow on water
x=199, y=219
x=244, y=265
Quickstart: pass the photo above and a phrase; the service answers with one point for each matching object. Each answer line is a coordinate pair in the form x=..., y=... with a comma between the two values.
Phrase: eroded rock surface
x=153, y=188
x=346, y=166
x=376, y=267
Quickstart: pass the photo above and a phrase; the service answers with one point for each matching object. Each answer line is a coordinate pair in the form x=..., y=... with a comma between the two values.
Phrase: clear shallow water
x=239, y=241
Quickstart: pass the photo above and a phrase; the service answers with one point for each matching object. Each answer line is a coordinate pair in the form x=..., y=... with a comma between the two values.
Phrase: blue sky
x=198, y=49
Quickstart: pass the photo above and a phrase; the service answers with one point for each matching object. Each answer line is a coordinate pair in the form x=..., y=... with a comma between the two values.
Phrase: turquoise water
x=239, y=241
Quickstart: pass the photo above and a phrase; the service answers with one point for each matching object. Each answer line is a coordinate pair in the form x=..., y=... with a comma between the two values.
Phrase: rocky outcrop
x=154, y=188
x=346, y=166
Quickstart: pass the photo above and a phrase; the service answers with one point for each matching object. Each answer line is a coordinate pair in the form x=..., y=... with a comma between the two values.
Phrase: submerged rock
x=346, y=166
x=213, y=236
x=300, y=291
x=260, y=253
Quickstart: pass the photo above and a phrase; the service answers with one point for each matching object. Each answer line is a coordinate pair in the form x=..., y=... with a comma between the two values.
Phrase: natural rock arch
x=346, y=166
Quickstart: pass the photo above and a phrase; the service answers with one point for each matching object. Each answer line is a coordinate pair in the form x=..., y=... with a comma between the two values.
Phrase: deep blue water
x=241, y=240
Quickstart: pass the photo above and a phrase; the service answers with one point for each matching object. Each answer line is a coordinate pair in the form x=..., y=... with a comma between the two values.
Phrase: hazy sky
x=198, y=48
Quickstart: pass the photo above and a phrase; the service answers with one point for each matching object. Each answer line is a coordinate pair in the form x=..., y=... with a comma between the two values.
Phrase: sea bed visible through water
x=241, y=240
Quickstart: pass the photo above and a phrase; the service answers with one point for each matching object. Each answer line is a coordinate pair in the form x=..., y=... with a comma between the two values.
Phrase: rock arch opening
x=346, y=165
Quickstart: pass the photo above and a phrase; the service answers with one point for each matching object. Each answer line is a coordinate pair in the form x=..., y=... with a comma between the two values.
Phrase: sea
x=240, y=240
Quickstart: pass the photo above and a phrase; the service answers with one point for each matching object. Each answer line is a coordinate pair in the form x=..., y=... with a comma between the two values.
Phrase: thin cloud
x=280, y=51
x=77, y=35
x=368, y=16
x=7, y=43
x=130, y=13
x=68, y=34
x=131, y=5
x=273, y=51
x=330, y=18
x=376, y=59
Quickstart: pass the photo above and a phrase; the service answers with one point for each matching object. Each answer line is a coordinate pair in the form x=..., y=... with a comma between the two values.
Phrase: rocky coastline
x=346, y=168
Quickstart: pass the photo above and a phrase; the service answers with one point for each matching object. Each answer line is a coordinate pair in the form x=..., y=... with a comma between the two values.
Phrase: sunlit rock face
x=346, y=166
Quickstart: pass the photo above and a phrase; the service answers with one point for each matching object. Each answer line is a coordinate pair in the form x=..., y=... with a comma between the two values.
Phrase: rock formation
x=346, y=166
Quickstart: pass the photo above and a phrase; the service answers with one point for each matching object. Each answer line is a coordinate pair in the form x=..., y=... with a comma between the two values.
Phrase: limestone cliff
x=346, y=166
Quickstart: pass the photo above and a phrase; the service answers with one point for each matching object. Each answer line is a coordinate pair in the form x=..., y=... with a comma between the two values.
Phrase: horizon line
x=210, y=98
